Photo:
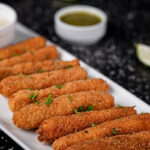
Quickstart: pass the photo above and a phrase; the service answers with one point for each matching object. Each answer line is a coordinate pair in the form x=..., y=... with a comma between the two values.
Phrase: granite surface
x=114, y=55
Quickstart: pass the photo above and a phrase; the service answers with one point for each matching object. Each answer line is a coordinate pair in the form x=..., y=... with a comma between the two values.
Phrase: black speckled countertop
x=114, y=55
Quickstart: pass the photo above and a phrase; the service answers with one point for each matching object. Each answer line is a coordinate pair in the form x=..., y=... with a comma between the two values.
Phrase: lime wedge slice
x=143, y=53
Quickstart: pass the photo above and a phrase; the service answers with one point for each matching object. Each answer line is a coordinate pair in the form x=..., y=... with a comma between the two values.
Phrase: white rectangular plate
x=28, y=139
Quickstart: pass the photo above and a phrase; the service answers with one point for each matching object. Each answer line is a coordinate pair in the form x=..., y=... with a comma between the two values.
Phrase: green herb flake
x=49, y=100
x=68, y=67
x=76, y=111
x=33, y=96
x=106, y=134
x=15, y=55
x=21, y=75
x=40, y=71
x=93, y=124
x=70, y=99
x=29, y=77
x=119, y=106
x=38, y=102
x=90, y=108
x=59, y=86
x=118, y=117
x=86, y=131
x=29, y=88
x=82, y=108
x=114, y=131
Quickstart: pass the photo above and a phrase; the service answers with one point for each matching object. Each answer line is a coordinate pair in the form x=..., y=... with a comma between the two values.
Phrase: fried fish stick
x=48, y=52
x=35, y=67
x=12, y=84
x=135, y=141
x=21, y=98
x=56, y=127
x=25, y=46
x=32, y=115
x=124, y=125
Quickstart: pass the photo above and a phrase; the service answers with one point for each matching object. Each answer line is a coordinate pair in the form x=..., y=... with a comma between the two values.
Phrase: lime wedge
x=143, y=53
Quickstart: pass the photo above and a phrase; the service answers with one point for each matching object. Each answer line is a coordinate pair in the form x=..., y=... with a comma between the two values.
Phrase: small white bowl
x=80, y=34
x=7, y=31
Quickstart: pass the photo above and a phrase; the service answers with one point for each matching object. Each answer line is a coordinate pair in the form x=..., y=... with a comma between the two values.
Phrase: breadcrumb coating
x=21, y=98
x=12, y=84
x=48, y=52
x=22, y=47
x=124, y=125
x=135, y=141
x=32, y=115
x=36, y=67
x=56, y=127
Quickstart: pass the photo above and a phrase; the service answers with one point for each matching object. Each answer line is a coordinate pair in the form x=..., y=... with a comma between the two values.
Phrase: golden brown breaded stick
x=32, y=115
x=56, y=127
x=25, y=46
x=48, y=52
x=36, y=67
x=12, y=84
x=21, y=98
x=135, y=141
x=124, y=125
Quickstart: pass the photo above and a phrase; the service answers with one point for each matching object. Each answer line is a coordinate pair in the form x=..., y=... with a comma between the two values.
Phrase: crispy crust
x=48, y=52
x=21, y=98
x=33, y=67
x=19, y=48
x=135, y=141
x=12, y=84
x=32, y=115
x=56, y=127
x=124, y=125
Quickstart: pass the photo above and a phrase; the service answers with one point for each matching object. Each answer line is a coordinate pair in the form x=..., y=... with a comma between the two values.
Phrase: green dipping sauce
x=80, y=18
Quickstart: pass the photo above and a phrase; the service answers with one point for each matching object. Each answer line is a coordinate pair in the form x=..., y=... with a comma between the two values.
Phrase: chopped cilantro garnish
x=119, y=106
x=29, y=77
x=107, y=134
x=86, y=131
x=29, y=88
x=14, y=55
x=76, y=111
x=118, y=117
x=82, y=108
x=90, y=107
x=40, y=71
x=21, y=75
x=49, y=100
x=93, y=124
x=69, y=66
x=59, y=86
x=38, y=102
x=33, y=96
x=114, y=131
x=70, y=99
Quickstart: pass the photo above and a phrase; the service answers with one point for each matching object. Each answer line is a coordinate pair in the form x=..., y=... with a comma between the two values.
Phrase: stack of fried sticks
x=69, y=109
